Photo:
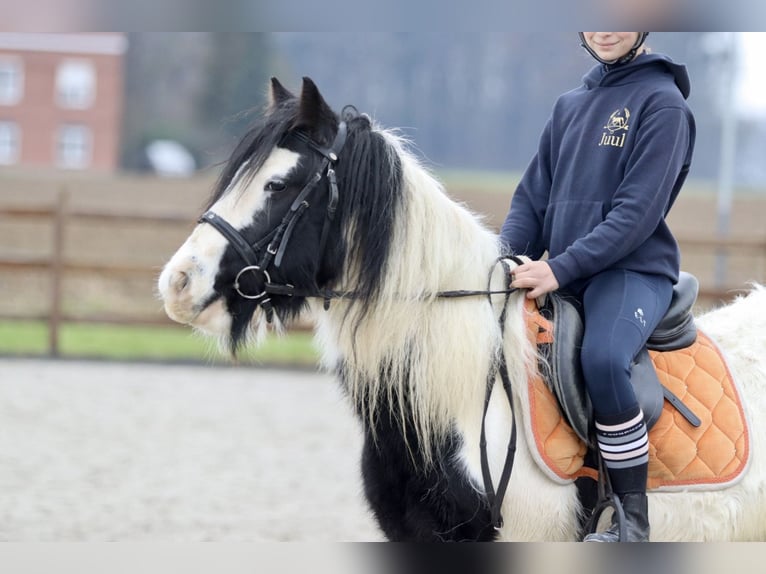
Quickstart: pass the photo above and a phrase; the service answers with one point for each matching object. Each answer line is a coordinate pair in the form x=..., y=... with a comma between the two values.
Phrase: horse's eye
x=275, y=185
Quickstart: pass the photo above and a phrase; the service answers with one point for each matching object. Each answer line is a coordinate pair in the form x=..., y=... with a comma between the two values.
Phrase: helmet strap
x=619, y=61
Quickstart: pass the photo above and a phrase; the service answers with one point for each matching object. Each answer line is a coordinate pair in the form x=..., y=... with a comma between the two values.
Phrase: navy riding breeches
x=620, y=310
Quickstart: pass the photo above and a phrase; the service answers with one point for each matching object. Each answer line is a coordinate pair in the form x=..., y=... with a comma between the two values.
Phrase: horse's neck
x=443, y=245
x=436, y=352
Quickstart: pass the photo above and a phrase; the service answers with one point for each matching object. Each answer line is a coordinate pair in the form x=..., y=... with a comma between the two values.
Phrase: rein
x=495, y=497
x=329, y=294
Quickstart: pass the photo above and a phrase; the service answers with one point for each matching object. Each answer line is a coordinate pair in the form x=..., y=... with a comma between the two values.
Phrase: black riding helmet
x=619, y=61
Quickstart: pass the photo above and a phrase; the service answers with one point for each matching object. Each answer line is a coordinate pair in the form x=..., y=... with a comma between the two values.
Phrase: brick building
x=61, y=99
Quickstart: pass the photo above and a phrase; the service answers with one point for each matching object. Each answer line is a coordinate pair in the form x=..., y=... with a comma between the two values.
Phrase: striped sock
x=624, y=445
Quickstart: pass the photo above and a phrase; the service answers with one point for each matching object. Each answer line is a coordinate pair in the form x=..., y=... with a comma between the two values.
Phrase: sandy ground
x=135, y=452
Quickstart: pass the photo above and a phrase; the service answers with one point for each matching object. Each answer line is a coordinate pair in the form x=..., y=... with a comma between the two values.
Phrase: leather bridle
x=257, y=259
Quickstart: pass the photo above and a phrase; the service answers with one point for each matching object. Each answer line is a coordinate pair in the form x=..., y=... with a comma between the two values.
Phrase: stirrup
x=618, y=520
x=606, y=499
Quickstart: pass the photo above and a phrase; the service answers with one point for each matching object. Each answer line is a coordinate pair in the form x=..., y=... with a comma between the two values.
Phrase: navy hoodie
x=611, y=161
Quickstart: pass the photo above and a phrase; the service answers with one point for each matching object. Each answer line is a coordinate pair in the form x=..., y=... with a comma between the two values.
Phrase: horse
x=331, y=216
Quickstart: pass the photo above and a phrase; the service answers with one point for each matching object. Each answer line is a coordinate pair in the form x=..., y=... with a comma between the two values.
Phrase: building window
x=74, y=146
x=75, y=84
x=10, y=143
x=11, y=81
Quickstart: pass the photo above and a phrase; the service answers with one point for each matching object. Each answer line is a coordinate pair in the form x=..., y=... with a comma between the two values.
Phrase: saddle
x=698, y=443
x=563, y=372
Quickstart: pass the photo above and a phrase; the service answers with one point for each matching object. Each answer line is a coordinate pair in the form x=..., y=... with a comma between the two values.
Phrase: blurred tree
x=236, y=74
x=476, y=101
x=191, y=87
x=467, y=100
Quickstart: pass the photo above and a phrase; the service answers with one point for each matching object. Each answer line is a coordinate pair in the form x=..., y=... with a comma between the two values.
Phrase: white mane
x=435, y=351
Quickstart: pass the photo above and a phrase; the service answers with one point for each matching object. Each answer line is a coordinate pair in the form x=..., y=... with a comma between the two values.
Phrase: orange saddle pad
x=713, y=455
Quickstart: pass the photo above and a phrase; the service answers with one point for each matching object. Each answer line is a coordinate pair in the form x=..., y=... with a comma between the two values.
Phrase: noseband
x=275, y=242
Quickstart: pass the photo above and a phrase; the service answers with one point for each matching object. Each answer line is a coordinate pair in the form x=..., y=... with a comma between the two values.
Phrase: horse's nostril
x=180, y=281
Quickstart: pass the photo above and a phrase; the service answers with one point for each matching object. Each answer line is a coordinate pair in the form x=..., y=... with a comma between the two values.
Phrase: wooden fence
x=57, y=264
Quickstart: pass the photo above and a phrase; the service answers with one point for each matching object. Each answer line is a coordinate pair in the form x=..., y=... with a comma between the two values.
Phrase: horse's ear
x=314, y=111
x=278, y=94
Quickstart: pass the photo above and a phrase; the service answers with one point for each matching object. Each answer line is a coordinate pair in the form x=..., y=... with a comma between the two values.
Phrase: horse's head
x=276, y=228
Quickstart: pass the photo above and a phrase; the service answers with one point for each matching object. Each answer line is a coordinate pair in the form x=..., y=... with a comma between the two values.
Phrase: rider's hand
x=536, y=276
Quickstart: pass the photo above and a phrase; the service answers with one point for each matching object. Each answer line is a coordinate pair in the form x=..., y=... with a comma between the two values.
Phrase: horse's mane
x=401, y=351
x=400, y=239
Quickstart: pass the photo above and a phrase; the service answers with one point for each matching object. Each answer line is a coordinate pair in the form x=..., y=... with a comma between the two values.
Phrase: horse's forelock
x=254, y=148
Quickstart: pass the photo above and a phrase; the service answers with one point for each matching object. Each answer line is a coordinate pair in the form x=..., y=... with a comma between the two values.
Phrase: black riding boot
x=636, y=510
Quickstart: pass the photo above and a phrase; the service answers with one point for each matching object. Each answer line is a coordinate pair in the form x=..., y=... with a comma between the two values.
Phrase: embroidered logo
x=639, y=314
x=616, y=128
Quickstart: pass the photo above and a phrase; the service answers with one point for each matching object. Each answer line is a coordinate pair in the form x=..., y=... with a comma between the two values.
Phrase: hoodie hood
x=645, y=65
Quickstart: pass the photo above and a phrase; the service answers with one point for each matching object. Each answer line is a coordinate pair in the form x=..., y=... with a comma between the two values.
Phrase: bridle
x=257, y=261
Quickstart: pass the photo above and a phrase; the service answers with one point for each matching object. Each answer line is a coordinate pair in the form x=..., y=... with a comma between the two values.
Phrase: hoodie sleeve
x=522, y=231
x=640, y=202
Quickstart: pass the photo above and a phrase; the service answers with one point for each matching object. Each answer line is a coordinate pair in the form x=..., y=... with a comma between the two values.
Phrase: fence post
x=57, y=268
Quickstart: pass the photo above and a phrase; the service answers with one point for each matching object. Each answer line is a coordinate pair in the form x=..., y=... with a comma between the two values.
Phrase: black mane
x=369, y=175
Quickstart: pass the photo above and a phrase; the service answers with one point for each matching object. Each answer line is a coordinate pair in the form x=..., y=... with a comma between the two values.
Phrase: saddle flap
x=566, y=378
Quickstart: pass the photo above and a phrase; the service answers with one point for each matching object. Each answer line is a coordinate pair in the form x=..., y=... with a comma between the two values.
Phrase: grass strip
x=130, y=342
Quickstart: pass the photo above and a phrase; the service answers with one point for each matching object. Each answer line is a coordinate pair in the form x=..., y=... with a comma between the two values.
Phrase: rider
x=610, y=163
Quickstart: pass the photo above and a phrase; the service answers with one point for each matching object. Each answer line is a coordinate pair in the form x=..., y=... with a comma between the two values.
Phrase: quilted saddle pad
x=711, y=456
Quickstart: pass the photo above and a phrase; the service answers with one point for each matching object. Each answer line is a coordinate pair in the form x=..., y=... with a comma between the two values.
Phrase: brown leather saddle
x=563, y=372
